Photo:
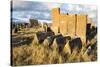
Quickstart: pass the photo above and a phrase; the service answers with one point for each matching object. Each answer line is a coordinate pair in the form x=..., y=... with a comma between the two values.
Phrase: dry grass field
x=27, y=51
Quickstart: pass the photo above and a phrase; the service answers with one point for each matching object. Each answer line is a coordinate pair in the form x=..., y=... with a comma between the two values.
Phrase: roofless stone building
x=69, y=24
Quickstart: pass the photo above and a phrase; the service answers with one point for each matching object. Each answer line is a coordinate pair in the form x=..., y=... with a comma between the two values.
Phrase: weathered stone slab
x=41, y=36
x=61, y=41
x=75, y=43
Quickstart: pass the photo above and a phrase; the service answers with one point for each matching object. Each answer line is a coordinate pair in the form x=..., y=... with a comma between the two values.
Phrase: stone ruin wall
x=63, y=24
x=55, y=19
x=81, y=26
x=69, y=24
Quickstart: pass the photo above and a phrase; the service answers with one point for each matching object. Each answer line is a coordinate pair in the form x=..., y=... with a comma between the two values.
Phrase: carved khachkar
x=55, y=19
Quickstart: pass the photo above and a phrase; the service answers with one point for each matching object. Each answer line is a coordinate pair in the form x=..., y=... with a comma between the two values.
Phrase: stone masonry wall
x=55, y=19
x=81, y=26
x=63, y=24
x=69, y=24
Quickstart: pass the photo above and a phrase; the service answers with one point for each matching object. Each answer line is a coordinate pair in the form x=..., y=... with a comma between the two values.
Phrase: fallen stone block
x=75, y=44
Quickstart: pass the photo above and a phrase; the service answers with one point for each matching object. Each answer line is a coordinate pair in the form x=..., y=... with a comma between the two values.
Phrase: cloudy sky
x=23, y=10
